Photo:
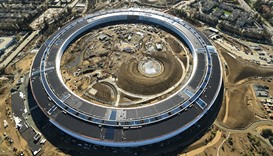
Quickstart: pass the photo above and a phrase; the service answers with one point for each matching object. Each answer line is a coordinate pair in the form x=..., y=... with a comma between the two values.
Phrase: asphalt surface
x=18, y=49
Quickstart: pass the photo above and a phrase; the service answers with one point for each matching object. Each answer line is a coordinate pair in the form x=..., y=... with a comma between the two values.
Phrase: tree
x=230, y=141
x=266, y=133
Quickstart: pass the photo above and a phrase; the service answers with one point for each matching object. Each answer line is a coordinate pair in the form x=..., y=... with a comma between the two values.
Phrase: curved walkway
x=249, y=128
x=218, y=149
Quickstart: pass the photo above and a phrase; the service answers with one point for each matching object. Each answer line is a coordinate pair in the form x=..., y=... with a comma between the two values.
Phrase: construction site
x=119, y=66
x=125, y=64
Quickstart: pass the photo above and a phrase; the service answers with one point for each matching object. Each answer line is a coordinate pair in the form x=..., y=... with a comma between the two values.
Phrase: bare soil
x=239, y=114
x=240, y=144
x=241, y=104
x=16, y=70
x=176, y=47
x=131, y=80
x=240, y=70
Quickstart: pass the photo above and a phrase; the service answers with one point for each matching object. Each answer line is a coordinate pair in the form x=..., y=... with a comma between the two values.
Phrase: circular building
x=167, y=96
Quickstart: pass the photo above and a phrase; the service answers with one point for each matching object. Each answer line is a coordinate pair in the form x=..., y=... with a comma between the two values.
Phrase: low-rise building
x=5, y=42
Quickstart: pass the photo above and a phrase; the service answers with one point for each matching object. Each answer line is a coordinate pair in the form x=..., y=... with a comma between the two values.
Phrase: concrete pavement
x=18, y=49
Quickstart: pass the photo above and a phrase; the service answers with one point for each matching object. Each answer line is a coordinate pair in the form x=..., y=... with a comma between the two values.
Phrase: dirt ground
x=202, y=150
x=239, y=144
x=239, y=97
x=13, y=72
x=158, y=2
x=19, y=143
x=239, y=115
x=176, y=47
x=131, y=80
x=211, y=136
x=259, y=129
x=239, y=108
x=114, y=54
x=239, y=69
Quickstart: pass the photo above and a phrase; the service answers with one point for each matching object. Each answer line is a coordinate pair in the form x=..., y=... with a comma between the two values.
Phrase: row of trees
x=265, y=8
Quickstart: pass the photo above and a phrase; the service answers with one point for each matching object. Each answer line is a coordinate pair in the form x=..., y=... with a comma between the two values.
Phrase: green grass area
x=215, y=9
x=227, y=13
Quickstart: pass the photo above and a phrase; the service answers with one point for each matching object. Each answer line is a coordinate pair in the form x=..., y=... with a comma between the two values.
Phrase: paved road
x=18, y=49
x=245, y=6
